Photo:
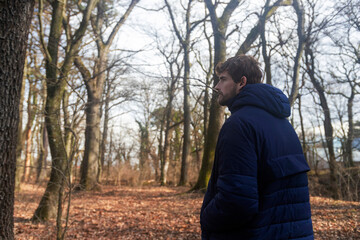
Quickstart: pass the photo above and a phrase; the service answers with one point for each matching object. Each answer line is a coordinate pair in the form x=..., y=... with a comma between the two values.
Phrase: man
x=258, y=187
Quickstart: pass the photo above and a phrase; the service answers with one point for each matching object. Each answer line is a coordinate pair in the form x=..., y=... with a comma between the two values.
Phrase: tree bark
x=89, y=168
x=15, y=19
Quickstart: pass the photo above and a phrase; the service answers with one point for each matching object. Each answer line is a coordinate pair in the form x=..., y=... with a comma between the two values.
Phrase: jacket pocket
x=287, y=165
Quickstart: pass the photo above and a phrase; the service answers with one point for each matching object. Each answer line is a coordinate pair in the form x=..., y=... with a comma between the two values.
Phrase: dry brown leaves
x=117, y=213
x=335, y=219
x=157, y=213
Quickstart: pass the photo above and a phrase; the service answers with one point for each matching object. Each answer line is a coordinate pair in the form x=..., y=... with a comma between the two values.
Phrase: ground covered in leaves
x=120, y=212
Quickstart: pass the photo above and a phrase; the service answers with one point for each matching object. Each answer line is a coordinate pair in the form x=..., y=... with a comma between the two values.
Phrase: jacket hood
x=264, y=96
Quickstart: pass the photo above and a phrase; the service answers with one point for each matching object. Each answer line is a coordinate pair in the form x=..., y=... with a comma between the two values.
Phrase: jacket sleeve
x=236, y=198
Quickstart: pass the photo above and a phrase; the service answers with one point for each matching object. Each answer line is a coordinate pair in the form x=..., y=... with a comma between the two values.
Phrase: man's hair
x=240, y=66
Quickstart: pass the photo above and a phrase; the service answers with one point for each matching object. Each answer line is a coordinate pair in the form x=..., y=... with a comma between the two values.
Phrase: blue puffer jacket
x=258, y=187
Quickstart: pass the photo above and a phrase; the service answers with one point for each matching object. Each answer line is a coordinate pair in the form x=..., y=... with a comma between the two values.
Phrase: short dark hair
x=240, y=66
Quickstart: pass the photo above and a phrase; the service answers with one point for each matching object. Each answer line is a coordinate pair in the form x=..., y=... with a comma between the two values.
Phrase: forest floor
x=120, y=212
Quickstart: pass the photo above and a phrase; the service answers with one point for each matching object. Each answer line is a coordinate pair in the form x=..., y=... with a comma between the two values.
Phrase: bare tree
x=349, y=56
x=186, y=45
x=56, y=81
x=349, y=77
x=174, y=71
x=281, y=41
x=112, y=97
x=329, y=138
x=95, y=84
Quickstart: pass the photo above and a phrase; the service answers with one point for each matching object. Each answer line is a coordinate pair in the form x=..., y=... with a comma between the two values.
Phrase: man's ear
x=241, y=84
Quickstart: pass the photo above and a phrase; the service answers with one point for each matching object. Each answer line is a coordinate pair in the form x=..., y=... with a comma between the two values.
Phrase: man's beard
x=225, y=102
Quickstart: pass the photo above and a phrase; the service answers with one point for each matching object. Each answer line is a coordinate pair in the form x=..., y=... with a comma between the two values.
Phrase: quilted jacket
x=258, y=187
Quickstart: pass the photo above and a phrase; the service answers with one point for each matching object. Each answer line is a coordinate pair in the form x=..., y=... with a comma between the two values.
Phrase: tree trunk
x=165, y=153
x=187, y=120
x=44, y=142
x=185, y=43
x=166, y=150
x=55, y=89
x=301, y=43
x=160, y=150
x=104, y=137
x=349, y=141
x=27, y=162
x=56, y=83
x=327, y=121
x=20, y=138
x=304, y=144
x=15, y=19
x=31, y=107
x=90, y=163
x=41, y=163
x=209, y=74
x=144, y=150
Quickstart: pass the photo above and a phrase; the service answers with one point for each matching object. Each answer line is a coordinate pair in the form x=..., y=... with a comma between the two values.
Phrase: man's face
x=227, y=88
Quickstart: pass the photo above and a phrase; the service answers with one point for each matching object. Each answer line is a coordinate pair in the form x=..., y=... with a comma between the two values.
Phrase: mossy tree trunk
x=56, y=83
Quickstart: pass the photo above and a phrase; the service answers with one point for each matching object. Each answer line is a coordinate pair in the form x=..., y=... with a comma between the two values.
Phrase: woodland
x=109, y=120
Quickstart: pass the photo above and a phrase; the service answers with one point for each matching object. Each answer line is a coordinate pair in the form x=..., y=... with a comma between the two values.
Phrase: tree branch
x=121, y=22
x=255, y=31
x=41, y=32
x=177, y=32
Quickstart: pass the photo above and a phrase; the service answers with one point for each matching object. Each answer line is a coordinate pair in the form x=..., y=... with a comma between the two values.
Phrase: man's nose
x=217, y=86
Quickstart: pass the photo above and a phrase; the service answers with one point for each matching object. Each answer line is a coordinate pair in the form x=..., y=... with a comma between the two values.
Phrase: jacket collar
x=264, y=96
